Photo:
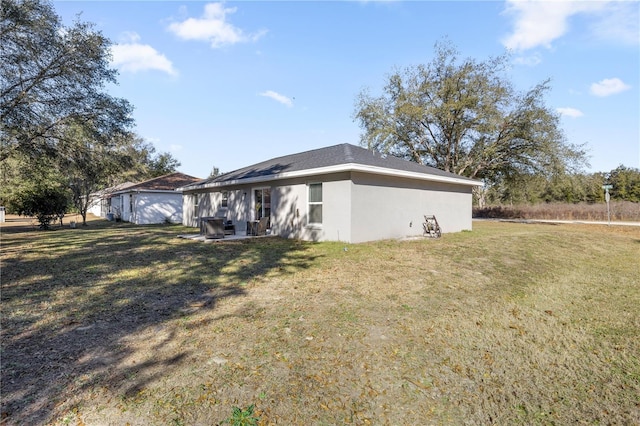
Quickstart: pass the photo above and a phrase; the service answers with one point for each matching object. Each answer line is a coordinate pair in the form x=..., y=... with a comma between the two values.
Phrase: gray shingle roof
x=168, y=182
x=107, y=191
x=324, y=157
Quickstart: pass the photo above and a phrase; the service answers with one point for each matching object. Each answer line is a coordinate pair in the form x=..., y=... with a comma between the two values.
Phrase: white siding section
x=97, y=206
x=210, y=204
x=385, y=208
x=117, y=205
x=150, y=208
x=188, y=215
x=336, y=213
x=290, y=209
x=356, y=207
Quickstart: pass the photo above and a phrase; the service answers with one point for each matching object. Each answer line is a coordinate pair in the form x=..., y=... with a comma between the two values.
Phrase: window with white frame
x=196, y=199
x=262, y=202
x=315, y=203
x=225, y=199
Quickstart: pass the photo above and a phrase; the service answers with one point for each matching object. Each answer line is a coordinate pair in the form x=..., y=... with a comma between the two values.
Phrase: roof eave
x=349, y=167
x=135, y=190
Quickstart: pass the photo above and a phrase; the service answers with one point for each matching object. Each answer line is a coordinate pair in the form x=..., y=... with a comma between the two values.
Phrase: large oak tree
x=52, y=76
x=464, y=116
x=57, y=114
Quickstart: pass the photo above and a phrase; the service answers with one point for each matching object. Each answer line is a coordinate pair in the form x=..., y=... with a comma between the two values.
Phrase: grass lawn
x=507, y=324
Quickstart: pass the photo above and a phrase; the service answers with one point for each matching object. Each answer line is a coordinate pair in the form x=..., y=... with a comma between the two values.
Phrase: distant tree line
x=568, y=188
x=62, y=135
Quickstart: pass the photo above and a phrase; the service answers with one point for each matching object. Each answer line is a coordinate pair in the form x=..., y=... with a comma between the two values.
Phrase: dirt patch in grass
x=510, y=323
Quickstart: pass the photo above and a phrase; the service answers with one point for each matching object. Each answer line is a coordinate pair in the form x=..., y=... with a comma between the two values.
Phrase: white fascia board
x=139, y=191
x=349, y=167
x=415, y=175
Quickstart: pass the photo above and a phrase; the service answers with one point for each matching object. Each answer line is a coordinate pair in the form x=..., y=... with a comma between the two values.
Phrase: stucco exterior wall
x=97, y=206
x=389, y=207
x=119, y=207
x=336, y=213
x=289, y=207
x=127, y=207
x=356, y=207
x=152, y=207
x=238, y=207
x=290, y=217
x=188, y=215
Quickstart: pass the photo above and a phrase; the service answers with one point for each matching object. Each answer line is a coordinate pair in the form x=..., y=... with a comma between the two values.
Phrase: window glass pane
x=225, y=198
x=315, y=213
x=266, y=207
x=258, y=203
x=195, y=205
x=315, y=193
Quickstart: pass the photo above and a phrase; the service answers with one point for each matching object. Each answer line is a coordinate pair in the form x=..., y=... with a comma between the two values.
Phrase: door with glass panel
x=262, y=203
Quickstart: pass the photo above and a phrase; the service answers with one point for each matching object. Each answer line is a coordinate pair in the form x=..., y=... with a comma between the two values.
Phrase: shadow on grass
x=72, y=298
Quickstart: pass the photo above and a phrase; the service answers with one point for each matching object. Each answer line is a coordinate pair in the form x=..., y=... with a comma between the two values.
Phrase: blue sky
x=231, y=84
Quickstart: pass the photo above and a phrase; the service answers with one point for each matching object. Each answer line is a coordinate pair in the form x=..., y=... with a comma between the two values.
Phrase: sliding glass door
x=262, y=203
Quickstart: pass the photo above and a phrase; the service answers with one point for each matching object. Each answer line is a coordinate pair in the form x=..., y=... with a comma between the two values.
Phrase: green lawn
x=507, y=324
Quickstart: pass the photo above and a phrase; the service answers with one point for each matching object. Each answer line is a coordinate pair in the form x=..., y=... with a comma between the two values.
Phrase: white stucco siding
x=117, y=205
x=238, y=207
x=150, y=208
x=97, y=206
x=290, y=209
x=126, y=207
x=191, y=213
x=188, y=216
x=336, y=211
x=288, y=215
x=207, y=204
x=356, y=206
x=386, y=207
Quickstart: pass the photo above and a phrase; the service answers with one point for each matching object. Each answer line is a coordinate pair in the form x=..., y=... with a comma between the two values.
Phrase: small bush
x=497, y=212
x=46, y=203
x=241, y=417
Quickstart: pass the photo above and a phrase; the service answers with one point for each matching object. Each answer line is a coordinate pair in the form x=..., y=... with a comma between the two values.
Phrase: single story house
x=100, y=201
x=152, y=201
x=338, y=193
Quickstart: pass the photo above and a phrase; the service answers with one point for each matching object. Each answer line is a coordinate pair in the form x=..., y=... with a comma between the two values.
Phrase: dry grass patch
x=618, y=211
x=510, y=323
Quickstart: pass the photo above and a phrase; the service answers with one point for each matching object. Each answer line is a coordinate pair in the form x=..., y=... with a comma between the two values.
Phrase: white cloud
x=213, y=27
x=278, y=97
x=133, y=57
x=620, y=22
x=570, y=112
x=538, y=23
x=608, y=87
x=175, y=147
x=530, y=61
